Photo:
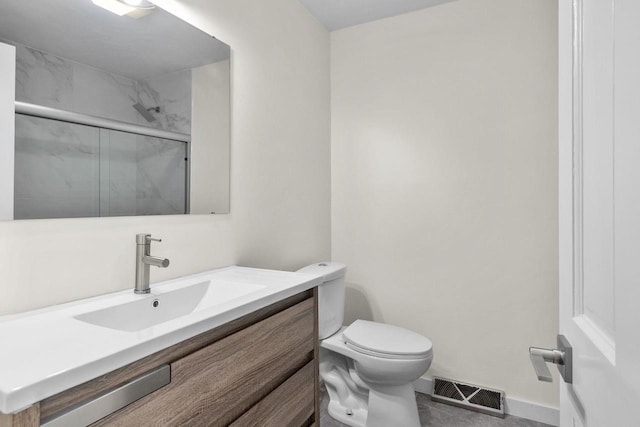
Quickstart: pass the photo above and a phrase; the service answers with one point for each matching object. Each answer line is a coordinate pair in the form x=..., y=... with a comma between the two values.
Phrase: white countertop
x=48, y=351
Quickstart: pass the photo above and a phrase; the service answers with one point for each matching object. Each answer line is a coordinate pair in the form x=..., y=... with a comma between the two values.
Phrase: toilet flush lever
x=561, y=357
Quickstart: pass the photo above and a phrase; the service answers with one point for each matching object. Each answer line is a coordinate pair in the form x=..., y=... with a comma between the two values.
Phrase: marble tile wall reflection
x=120, y=159
x=56, y=169
x=172, y=93
x=161, y=176
x=103, y=94
x=44, y=79
x=145, y=176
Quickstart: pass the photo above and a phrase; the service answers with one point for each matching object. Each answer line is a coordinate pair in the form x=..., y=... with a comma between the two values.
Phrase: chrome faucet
x=144, y=260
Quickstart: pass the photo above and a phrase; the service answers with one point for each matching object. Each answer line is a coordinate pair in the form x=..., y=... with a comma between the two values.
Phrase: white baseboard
x=516, y=407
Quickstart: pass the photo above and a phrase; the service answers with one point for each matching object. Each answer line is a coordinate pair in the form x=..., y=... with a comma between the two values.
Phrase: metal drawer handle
x=92, y=410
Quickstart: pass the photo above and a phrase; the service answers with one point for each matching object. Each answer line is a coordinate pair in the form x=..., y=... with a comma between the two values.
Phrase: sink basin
x=164, y=305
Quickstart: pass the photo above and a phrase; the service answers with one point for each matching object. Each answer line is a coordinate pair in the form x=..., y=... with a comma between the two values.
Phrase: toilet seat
x=386, y=341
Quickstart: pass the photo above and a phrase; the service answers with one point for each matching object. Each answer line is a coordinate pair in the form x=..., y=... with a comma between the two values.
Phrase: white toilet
x=367, y=367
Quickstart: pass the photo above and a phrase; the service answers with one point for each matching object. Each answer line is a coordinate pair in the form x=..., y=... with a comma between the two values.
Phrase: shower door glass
x=57, y=169
x=65, y=170
x=142, y=175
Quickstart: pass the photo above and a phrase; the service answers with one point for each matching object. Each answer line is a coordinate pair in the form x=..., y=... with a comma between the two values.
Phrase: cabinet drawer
x=217, y=384
x=291, y=404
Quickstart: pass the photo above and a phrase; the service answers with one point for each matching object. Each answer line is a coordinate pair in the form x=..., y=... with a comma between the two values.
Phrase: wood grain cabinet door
x=291, y=404
x=216, y=385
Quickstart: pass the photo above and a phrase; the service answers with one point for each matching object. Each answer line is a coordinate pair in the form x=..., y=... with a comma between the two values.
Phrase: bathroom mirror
x=116, y=115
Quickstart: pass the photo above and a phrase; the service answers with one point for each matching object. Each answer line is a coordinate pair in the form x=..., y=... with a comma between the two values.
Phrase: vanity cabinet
x=260, y=369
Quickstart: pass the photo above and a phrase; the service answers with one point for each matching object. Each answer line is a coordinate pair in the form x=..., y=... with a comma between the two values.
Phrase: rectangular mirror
x=115, y=115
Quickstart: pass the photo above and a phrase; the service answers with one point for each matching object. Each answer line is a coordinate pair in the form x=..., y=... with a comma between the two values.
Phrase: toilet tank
x=330, y=295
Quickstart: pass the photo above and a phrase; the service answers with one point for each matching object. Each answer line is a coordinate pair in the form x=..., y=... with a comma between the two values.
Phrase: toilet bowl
x=367, y=367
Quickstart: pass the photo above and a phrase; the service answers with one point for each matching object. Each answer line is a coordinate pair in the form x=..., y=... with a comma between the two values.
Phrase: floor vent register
x=468, y=396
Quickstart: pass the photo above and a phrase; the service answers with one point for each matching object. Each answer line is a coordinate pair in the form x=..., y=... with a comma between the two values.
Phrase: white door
x=599, y=162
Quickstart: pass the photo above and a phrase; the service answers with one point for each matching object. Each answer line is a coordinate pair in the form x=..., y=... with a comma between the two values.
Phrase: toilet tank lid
x=327, y=270
x=386, y=339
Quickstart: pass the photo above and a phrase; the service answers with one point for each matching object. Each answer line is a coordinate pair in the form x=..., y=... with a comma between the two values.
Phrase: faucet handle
x=145, y=239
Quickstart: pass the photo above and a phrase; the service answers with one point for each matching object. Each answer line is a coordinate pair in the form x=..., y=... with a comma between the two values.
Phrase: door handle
x=540, y=357
x=562, y=356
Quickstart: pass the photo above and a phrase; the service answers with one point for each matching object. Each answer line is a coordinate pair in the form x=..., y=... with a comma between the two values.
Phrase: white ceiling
x=337, y=14
x=156, y=44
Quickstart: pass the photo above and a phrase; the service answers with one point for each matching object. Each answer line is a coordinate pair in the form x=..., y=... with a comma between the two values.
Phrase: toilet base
x=386, y=406
x=393, y=406
x=348, y=396
x=358, y=417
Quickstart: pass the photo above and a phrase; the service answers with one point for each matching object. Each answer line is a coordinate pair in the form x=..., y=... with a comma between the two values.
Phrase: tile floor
x=434, y=414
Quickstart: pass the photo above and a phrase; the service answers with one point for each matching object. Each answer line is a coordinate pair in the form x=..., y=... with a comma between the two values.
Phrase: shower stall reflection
x=69, y=170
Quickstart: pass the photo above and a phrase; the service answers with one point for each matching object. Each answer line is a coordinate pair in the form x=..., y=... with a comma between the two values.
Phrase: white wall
x=210, y=137
x=7, y=127
x=444, y=182
x=280, y=191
